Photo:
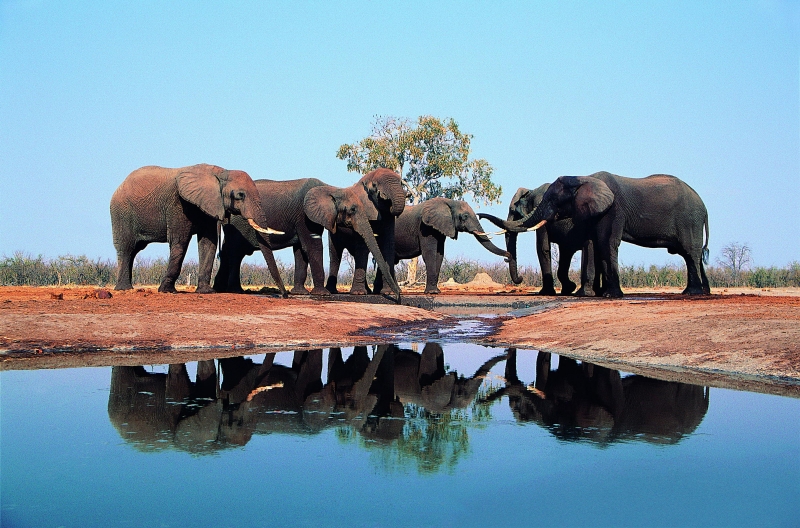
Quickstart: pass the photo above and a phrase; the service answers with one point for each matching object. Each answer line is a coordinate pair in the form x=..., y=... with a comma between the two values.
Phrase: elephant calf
x=422, y=230
x=156, y=204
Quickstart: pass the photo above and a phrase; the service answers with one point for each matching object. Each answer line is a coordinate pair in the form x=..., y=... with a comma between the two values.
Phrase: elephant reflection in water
x=365, y=395
x=581, y=401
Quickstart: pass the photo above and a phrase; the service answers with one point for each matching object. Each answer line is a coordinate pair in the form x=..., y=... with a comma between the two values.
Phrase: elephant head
x=221, y=193
x=450, y=217
x=523, y=203
x=384, y=189
x=333, y=206
x=581, y=198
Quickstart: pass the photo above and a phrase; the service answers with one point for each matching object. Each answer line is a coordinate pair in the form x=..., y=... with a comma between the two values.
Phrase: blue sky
x=707, y=91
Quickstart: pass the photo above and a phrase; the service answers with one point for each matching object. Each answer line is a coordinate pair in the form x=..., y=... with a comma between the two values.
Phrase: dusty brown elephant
x=156, y=204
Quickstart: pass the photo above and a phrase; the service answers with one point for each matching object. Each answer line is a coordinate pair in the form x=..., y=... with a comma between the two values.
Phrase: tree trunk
x=411, y=274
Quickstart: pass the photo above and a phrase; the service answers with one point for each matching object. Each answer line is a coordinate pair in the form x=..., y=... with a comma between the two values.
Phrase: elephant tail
x=705, y=247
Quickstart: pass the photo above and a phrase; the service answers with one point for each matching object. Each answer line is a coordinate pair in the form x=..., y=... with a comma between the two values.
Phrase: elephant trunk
x=486, y=243
x=511, y=245
x=363, y=228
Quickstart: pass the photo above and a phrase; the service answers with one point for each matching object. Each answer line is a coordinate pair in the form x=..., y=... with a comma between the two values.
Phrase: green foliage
x=431, y=155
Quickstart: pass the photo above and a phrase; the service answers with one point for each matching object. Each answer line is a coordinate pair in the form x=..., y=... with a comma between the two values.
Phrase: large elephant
x=355, y=216
x=570, y=236
x=156, y=204
x=282, y=203
x=659, y=211
x=422, y=230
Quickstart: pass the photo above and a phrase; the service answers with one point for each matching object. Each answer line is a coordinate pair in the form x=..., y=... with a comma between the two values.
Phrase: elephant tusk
x=501, y=232
x=267, y=231
x=316, y=236
x=481, y=233
x=537, y=226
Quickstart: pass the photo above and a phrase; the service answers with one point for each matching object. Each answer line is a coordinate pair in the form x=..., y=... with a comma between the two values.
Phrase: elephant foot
x=613, y=294
x=386, y=290
x=167, y=288
x=694, y=290
x=547, y=291
x=319, y=291
x=585, y=292
x=205, y=288
x=121, y=287
x=298, y=290
x=432, y=291
x=358, y=290
x=567, y=289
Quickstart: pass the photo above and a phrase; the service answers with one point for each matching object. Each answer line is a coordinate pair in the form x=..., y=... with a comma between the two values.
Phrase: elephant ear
x=437, y=214
x=592, y=198
x=320, y=207
x=201, y=187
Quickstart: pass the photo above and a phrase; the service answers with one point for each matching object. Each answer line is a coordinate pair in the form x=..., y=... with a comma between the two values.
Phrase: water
x=391, y=436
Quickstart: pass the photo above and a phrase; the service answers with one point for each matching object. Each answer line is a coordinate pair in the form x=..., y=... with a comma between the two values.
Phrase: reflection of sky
x=64, y=463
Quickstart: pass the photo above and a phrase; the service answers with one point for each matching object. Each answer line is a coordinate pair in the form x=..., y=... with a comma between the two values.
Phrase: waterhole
x=424, y=432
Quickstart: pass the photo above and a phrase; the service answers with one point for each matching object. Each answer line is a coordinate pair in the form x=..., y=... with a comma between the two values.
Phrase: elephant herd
x=592, y=214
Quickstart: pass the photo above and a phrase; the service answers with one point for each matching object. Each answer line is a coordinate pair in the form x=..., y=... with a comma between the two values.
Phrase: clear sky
x=707, y=91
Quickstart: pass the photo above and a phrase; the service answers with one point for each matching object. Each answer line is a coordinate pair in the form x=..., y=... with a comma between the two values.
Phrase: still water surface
x=429, y=435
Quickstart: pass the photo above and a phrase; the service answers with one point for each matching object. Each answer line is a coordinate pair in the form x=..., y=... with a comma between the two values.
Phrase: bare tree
x=736, y=258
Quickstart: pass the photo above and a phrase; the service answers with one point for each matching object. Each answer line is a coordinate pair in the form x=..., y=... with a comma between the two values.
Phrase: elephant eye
x=238, y=195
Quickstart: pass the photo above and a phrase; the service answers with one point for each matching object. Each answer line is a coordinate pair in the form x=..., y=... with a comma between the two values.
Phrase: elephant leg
x=386, y=245
x=545, y=262
x=229, y=278
x=206, y=249
x=609, y=239
x=378, y=284
x=587, y=270
x=126, y=256
x=359, y=286
x=334, y=261
x=432, y=254
x=177, y=252
x=312, y=254
x=693, y=272
x=564, y=260
x=300, y=271
x=266, y=251
x=704, y=279
x=543, y=363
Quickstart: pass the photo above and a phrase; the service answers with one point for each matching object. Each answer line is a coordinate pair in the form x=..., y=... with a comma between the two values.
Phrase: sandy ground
x=751, y=335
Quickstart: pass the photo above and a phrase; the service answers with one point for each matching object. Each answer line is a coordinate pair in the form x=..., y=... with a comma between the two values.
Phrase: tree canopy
x=431, y=155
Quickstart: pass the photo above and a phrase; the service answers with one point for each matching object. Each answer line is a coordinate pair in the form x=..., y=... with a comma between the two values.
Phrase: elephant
x=659, y=211
x=282, y=202
x=354, y=216
x=157, y=204
x=570, y=236
x=422, y=230
x=585, y=402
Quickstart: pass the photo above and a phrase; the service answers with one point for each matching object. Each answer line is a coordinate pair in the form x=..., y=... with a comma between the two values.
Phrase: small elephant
x=379, y=198
x=282, y=202
x=157, y=204
x=659, y=211
x=422, y=230
x=571, y=237
x=352, y=214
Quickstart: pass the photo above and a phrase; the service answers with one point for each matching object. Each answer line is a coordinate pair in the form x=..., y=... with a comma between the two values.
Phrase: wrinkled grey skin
x=383, y=199
x=422, y=230
x=659, y=211
x=156, y=204
x=585, y=402
x=283, y=205
x=569, y=236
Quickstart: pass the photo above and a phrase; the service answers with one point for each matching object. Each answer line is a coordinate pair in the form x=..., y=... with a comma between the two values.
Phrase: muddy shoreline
x=739, y=341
